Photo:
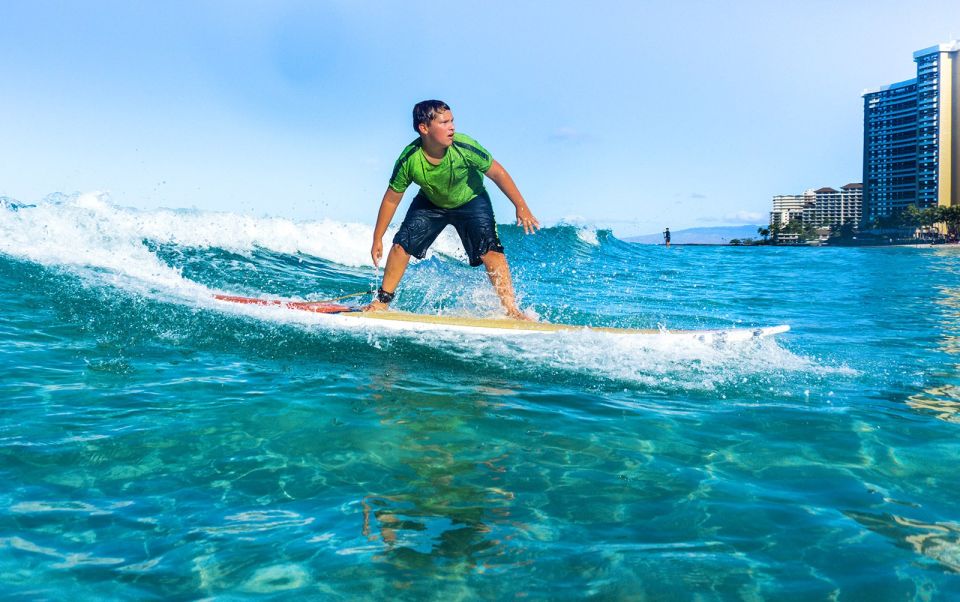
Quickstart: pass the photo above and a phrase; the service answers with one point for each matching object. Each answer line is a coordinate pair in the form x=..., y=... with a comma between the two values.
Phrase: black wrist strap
x=383, y=296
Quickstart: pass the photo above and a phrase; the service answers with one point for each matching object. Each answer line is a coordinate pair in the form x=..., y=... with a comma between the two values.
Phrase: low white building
x=822, y=208
x=788, y=207
x=838, y=207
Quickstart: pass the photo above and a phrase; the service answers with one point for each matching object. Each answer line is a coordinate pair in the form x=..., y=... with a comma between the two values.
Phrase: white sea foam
x=89, y=235
x=105, y=244
x=658, y=362
x=42, y=232
x=587, y=231
x=86, y=231
x=661, y=362
x=589, y=236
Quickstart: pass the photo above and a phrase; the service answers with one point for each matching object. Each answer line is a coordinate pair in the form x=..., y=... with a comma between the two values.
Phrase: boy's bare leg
x=499, y=272
x=397, y=261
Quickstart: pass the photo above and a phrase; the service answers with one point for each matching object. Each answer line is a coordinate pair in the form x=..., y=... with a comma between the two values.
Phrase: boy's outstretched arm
x=388, y=207
x=505, y=183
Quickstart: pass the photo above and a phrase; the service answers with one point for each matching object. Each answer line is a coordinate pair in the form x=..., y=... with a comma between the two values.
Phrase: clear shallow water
x=155, y=444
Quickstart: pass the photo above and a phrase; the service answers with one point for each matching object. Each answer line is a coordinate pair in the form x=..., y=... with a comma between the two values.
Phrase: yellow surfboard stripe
x=501, y=323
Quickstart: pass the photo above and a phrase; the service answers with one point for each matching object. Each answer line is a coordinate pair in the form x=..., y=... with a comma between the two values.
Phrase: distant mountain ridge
x=719, y=235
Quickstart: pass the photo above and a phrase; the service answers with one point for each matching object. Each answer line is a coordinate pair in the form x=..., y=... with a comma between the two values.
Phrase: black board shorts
x=473, y=221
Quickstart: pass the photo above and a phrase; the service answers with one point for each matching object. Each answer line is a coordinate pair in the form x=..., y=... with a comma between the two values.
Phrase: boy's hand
x=376, y=252
x=503, y=181
x=526, y=219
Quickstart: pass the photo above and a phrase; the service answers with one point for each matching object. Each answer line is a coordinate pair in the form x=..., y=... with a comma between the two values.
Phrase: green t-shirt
x=455, y=181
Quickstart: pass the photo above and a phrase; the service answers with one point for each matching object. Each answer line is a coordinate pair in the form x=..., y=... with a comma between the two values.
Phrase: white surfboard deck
x=400, y=320
x=397, y=320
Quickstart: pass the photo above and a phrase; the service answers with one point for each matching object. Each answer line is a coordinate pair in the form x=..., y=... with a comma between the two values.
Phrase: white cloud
x=744, y=217
x=738, y=217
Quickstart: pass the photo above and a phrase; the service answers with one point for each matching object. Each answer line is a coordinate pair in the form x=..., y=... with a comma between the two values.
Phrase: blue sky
x=630, y=115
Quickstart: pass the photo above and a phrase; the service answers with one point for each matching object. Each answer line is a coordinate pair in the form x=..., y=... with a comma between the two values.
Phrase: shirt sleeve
x=400, y=178
x=476, y=155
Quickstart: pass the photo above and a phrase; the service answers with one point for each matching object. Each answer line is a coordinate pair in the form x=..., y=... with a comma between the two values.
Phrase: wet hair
x=425, y=111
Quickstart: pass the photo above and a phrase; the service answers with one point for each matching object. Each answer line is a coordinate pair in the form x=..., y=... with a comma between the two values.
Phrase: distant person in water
x=449, y=168
x=666, y=237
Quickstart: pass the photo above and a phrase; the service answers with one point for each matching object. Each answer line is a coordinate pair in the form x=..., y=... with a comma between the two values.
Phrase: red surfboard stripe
x=313, y=306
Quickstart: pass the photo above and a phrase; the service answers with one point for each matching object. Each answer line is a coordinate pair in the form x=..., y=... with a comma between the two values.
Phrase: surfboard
x=351, y=316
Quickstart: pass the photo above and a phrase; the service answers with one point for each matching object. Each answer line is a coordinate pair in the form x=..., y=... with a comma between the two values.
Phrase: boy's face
x=440, y=130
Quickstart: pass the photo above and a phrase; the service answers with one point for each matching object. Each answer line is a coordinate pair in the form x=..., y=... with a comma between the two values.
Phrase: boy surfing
x=449, y=168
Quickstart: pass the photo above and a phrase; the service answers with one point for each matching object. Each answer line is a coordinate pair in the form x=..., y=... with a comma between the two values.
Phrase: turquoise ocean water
x=155, y=444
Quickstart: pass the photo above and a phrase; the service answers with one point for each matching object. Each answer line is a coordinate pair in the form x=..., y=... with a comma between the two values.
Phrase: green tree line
x=911, y=218
x=925, y=219
x=772, y=233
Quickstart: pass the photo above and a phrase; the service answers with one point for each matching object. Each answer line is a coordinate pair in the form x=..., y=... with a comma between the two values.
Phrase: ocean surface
x=156, y=444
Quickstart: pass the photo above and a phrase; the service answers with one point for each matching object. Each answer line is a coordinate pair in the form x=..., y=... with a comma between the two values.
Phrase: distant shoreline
x=722, y=236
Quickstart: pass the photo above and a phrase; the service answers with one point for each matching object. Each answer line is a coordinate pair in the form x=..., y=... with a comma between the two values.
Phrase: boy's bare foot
x=376, y=306
x=516, y=314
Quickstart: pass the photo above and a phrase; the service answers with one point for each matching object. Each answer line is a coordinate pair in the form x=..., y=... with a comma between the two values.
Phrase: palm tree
x=775, y=230
x=929, y=218
x=911, y=217
x=951, y=216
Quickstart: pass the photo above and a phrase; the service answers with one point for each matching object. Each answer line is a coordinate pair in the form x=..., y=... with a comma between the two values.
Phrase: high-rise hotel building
x=911, y=137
